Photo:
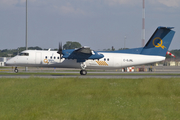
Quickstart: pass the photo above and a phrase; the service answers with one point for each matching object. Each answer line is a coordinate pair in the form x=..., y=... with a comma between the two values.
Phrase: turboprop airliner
x=85, y=58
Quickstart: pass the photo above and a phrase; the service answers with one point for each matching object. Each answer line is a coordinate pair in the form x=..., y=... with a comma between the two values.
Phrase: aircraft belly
x=65, y=64
x=69, y=64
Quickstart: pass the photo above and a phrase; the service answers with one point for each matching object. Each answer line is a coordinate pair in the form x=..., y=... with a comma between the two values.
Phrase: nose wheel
x=16, y=70
x=83, y=72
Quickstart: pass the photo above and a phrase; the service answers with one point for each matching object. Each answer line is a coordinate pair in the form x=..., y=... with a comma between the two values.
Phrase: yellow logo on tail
x=158, y=44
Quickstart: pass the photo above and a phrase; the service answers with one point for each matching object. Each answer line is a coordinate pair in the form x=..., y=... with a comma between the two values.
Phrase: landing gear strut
x=16, y=70
x=83, y=67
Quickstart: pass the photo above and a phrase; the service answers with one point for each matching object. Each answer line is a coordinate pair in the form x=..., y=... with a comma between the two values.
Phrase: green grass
x=89, y=99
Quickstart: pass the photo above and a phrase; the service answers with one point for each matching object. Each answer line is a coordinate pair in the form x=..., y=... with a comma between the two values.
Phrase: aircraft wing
x=85, y=50
x=82, y=54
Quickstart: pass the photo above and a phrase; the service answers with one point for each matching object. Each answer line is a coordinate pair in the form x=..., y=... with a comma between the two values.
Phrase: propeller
x=60, y=50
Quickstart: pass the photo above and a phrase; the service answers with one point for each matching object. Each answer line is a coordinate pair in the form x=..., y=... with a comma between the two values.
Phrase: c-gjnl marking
x=159, y=44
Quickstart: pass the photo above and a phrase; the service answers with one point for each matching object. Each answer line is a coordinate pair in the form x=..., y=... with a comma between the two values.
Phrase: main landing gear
x=83, y=67
x=83, y=72
x=16, y=70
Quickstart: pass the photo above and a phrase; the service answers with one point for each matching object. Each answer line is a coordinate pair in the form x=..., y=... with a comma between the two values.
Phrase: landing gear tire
x=16, y=70
x=83, y=72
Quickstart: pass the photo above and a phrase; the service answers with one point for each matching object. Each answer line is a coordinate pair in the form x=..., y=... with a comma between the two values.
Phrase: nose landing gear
x=16, y=70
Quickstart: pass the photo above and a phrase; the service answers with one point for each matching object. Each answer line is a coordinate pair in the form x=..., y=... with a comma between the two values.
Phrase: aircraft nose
x=9, y=62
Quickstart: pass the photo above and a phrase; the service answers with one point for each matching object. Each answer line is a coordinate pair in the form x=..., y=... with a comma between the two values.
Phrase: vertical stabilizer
x=159, y=42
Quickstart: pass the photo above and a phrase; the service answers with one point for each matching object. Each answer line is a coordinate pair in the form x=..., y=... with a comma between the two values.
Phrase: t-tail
x=159, y=42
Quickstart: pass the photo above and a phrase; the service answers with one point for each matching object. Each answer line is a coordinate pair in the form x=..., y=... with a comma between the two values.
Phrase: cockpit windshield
x=24, y=54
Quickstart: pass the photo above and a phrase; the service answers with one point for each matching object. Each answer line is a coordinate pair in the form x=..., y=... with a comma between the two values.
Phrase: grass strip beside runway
x=89, y=99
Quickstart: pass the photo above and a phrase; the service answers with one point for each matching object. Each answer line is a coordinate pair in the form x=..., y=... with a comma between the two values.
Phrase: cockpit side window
x=24, y=54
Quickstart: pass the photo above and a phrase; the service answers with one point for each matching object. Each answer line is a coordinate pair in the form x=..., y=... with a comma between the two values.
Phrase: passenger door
x=38, y=58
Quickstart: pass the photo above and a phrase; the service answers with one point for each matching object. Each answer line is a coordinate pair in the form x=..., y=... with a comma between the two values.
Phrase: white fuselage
x=39, y=58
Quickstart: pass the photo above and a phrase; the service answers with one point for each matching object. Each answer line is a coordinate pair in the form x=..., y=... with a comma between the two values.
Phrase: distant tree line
x=71, y=45
x=14, y=52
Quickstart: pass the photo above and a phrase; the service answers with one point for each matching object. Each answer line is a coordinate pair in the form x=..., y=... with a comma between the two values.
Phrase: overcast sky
x=96, y=23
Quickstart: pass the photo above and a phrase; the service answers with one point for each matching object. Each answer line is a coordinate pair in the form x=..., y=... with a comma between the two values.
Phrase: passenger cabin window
x=24, y=54
x=46, y=57
x=57, y=57
x=54, y=57
x=108, y=59
x=51, y=57
x=104, y=59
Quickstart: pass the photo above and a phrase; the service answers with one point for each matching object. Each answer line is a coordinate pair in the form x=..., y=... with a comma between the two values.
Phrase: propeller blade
x=60, y=50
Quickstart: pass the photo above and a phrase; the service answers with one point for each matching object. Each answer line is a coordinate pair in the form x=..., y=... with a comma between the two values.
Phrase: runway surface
x=158, y=72
x=105, y=75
